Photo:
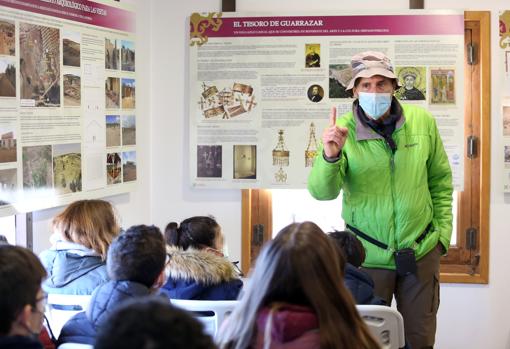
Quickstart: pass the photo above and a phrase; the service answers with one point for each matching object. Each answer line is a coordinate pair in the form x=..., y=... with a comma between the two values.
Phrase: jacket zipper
x=392, y=180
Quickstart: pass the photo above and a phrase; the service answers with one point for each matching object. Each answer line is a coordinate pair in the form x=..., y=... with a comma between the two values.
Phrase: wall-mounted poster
x=504, y=91
x=262, y=85
x=67, y=102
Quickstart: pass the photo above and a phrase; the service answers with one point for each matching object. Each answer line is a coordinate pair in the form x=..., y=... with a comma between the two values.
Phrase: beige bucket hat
x=369, y=63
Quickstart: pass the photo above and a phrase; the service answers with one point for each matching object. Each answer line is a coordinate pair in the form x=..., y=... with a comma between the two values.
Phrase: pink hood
x=293, y=327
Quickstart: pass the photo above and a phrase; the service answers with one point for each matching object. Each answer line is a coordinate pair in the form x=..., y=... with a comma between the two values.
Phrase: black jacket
x=83, y=327
x=200, y=275
x=361, y=286
x=18, y=342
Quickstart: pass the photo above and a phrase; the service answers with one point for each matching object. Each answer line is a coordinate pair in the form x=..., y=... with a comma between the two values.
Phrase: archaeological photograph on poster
x=268, y=115
x=8, y=148
x=67, y=168
x=209, y=161
x=112, y=130
x=7, y=77
x=67, y=102
x=72, y=90
x=71, y=48
x=40, y=83
x=128, y=130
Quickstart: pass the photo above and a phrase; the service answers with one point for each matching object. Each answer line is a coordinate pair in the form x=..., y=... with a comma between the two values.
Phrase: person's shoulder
x=346, y=119
x=233, y=288
x=47, y=257
x=78, y=329
x=226, y=291
x=417, y=114
x=51, y=252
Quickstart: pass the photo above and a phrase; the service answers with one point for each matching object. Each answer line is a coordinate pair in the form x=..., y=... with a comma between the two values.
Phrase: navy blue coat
x=82, y=328
x=17, y=342
x=361, y=286
x=192, y=289
x=200, y=275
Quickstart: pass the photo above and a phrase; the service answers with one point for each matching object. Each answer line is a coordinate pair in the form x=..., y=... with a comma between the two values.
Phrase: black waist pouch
x=405, y=261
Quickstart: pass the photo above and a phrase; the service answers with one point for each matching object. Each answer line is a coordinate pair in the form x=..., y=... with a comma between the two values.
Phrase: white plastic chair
x=210, y=313
x=61, y=307
x=385, y=323
x=75, y=346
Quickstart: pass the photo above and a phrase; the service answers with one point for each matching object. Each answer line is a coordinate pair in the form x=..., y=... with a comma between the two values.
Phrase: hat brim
x=368, y=73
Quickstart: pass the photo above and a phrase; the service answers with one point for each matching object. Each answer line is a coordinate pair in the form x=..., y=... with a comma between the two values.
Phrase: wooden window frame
x=461, y=265
x=465, y=264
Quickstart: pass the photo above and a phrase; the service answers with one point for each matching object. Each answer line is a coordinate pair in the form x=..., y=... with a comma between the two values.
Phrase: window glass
x=297, y=205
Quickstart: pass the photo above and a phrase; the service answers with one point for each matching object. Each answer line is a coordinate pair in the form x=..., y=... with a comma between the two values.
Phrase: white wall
x=173, y=199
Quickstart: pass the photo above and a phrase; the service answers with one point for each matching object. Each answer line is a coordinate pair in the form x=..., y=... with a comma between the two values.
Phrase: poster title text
x=278, y=23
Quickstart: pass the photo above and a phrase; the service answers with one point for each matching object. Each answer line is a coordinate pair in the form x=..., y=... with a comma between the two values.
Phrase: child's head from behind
x=299, y=266
x=197, y=232
x=137, y=255
x=149, y=322
x=302, y=266
x=351, y=247
x=91, y=223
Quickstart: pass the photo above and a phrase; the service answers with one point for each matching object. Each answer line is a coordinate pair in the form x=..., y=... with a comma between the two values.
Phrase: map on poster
x=262, y=85
x=67, y=102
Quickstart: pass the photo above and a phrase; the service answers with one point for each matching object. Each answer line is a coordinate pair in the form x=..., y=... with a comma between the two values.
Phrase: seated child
x=135, y=263
x=149, y=322
x=358, y=282
x=81, y=235
x=294, y=299
x=22, y=299
x=197, y=268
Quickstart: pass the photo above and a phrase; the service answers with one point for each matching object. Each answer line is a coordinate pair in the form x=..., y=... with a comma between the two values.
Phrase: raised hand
x=333, y=136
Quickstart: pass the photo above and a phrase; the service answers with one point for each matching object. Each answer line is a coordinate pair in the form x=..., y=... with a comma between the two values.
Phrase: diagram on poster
x=227, y=102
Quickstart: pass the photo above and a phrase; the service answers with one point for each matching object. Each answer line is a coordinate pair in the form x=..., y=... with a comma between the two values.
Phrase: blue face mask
x=374, y=104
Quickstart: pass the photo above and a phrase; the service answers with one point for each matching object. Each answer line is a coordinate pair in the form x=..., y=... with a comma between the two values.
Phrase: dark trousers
x=417, y=297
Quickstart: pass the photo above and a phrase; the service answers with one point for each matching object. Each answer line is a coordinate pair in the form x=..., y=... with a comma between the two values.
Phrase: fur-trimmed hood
x=199, y=265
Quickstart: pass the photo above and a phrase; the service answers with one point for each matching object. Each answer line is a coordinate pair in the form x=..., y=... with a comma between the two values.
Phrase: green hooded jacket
x=390, y=197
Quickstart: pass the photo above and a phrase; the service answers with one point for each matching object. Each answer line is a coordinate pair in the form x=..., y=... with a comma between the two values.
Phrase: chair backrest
x=210, y=313
x=61, y=307
x=385, y=323
x=75, y=346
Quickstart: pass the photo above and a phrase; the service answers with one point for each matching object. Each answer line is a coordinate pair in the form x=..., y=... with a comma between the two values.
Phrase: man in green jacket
x=389, y=160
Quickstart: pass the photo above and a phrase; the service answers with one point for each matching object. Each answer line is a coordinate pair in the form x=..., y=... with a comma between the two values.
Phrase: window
x=326, y=214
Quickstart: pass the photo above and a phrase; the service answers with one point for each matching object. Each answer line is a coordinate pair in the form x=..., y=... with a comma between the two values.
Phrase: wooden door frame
x=257, y=211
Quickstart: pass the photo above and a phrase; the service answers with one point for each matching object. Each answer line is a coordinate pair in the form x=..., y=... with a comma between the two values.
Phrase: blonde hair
x=300, y=266
x=91, y=223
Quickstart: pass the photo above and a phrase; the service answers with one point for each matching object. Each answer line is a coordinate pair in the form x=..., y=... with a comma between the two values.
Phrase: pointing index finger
x=332, y=116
